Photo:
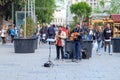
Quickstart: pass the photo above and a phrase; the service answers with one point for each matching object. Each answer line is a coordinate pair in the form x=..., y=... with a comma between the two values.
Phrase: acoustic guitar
x=74, y=36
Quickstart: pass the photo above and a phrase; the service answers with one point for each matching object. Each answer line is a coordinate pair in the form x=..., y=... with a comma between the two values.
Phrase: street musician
x=76, y=38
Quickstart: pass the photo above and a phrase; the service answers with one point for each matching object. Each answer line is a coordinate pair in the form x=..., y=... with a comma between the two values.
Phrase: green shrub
x=30, y=26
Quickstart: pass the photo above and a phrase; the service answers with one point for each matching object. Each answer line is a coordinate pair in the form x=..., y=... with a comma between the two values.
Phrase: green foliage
x=45, y=10
x=6, y=7
x=102, y=3
x=114, y=7
x=72, y=25
x=81, y=10
x=30, y=26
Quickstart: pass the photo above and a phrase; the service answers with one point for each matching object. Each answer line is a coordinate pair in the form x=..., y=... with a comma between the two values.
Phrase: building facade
x=59, y=16
x=62, y=14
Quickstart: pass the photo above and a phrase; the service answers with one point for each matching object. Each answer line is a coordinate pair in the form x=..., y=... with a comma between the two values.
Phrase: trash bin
x=87, y=45
x=116, y=45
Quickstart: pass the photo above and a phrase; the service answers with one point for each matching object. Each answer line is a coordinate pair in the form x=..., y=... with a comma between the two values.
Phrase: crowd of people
x=8, y=33
x=102, y=36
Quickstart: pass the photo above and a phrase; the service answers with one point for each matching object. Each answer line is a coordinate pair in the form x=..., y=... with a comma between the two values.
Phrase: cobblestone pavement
x=14, y=66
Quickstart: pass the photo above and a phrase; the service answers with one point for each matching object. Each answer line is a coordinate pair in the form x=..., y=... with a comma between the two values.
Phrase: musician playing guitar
x=76, y=37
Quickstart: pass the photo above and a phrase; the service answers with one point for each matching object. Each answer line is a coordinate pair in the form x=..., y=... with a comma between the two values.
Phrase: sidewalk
x=14, y=66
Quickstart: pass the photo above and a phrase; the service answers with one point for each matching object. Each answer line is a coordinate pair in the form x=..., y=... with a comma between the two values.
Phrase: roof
x=116, y=18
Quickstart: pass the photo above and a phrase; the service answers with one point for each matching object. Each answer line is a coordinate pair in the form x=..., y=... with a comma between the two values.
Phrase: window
x=94, y=3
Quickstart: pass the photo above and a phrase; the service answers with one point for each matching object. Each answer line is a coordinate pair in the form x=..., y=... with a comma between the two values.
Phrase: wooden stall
x=116, y=25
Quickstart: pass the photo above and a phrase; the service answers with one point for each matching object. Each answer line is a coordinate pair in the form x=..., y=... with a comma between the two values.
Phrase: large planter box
x=88, y=45
x=116, y=45
x=35, y=42
x=24, y=45
x=85, y=45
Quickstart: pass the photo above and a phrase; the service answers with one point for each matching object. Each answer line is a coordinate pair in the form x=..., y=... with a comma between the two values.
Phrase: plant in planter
x=28, y=43
x=30, y=26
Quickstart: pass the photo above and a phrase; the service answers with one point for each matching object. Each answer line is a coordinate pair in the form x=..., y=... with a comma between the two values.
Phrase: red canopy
x=116, y=18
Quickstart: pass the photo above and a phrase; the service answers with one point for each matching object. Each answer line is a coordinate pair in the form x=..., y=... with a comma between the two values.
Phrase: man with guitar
x=76, y=38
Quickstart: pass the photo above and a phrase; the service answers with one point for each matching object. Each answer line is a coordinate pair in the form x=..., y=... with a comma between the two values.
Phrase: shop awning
x=116, y=18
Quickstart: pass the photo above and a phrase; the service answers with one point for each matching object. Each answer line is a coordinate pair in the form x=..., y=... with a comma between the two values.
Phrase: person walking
x=43, y=33
x=90, y=34
x=3, y=34
x=99, y=34
x=107, y=34
x=12, y=34
x=60, y=43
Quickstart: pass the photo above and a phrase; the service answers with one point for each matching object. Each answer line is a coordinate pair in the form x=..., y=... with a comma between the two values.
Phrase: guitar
x=74, y=36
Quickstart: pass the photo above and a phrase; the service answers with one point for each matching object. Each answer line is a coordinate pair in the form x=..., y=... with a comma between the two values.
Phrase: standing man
x=77, y=39
x=107, y=34
x=51, y=32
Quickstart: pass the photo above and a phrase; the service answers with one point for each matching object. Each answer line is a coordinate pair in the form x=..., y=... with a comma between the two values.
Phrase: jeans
x=99, y=45
x=90, y=37
x=77, y=48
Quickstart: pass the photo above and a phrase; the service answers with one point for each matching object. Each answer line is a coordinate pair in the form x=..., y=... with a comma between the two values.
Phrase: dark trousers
x=60, y=49
x=12, y=38
x=76, y=54
x=105, y=45
x=3, y=40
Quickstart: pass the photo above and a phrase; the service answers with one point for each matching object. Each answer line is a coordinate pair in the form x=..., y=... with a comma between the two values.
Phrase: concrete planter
x=24, y=45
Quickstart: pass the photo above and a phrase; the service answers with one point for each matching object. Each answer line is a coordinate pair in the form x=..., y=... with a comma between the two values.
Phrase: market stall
x=116, y=32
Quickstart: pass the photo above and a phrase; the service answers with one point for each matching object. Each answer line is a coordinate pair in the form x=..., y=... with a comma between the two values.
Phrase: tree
x=113, y=9
x=81, y=10
x=45, y=10
x=102, y=3
x=6, y=9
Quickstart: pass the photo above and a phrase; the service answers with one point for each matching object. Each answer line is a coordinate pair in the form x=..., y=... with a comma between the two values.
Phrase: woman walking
x=99, y=39
x=3, y=34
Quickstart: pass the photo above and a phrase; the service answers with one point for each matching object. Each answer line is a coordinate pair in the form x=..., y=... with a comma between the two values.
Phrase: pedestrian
x=107, y=34
x=12, y=33
x=60, y=43
x=3, y=34
x=51, y=32
x=43, y=33
x=99, y=34
x=90, y=35
x=76, y=37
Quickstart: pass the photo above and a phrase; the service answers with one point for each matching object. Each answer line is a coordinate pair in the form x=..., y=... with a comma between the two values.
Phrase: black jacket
x=107, y=33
